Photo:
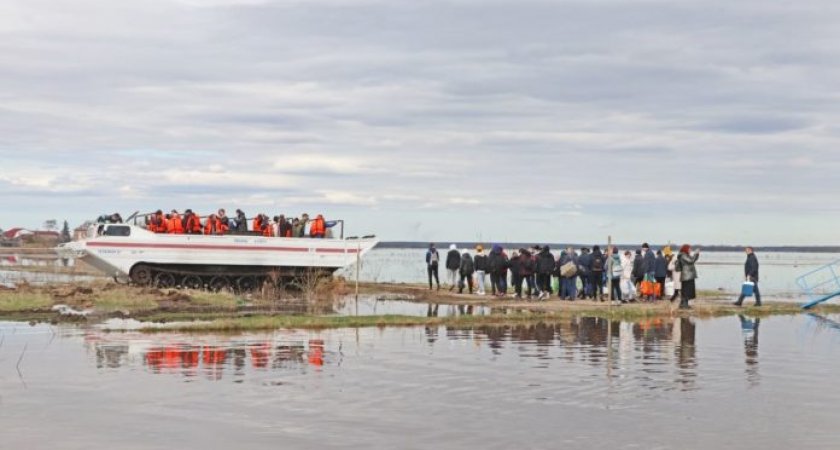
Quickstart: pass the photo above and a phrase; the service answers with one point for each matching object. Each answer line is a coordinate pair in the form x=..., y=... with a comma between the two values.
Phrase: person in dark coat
x=597, y=263
x=527, y=266
x=453, y=264
x=660, y=271
x=638, y=269
x=649, y=263
x=432, y=263
x=545, y=267
x=516, y=273
x=584, y=264
x=497, y=264
x=466, y=271
x=751, y=274
x=241, y=221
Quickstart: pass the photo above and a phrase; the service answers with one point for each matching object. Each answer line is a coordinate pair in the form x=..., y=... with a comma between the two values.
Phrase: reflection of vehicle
x=190, y=355
x=217, y=262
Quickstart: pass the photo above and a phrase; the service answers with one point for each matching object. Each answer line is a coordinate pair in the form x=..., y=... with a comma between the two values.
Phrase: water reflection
x=173, y=354
x=749, y=330
x=612, y=346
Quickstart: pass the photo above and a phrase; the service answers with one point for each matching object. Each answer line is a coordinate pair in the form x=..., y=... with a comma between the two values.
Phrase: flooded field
x=732, y=382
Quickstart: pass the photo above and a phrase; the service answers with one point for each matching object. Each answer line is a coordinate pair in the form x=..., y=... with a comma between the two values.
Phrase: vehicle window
x=117, y=231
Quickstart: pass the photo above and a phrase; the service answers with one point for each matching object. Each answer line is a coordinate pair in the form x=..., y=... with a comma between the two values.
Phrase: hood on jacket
x=497, y=248
x=453, y=247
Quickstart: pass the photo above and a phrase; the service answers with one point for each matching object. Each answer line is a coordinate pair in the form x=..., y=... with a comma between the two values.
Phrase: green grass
x=110, y=301
x=24, y=301
x=224, y=300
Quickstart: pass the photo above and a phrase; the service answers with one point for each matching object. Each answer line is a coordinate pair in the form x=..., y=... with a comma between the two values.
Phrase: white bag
x=669, y=288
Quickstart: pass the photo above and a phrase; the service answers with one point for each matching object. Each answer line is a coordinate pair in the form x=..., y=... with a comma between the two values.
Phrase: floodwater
x=586, y=383
x=718, y=271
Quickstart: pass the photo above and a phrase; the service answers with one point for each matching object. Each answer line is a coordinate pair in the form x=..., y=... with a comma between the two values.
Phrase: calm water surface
x=727, y=383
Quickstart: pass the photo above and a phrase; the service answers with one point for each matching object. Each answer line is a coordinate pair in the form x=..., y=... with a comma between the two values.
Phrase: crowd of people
x=219, y=224
x=587, y=273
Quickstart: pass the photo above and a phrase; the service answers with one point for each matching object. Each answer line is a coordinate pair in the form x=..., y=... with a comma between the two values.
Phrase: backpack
x=598, y=263
x=617, y=270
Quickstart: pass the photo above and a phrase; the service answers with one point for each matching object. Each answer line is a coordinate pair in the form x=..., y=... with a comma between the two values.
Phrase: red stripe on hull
x=218, y=247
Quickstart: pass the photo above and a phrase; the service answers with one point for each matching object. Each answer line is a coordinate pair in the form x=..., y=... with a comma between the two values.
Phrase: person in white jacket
x=628, y=290
x=675, y=276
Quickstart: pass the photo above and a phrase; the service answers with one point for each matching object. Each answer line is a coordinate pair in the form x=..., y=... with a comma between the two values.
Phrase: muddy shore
x=100, y=300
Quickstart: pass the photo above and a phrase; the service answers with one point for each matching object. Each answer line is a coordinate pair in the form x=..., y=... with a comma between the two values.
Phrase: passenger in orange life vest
x=192, y=223
x=318, y=228
x=213, y=225
x=259, y=223
x=157, y=223
x=223, y=218
x=175, y=225
x=269, y=226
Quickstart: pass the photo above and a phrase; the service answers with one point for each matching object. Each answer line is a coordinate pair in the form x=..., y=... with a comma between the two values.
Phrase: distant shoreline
x=675, y=247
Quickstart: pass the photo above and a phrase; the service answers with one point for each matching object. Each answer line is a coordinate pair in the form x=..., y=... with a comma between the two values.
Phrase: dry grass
x=11, y=301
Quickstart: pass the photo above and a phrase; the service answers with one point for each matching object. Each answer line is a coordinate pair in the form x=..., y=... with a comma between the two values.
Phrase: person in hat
x=482, y=266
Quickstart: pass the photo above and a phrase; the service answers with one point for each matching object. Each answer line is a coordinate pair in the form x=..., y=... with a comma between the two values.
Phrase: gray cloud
x=392, y=113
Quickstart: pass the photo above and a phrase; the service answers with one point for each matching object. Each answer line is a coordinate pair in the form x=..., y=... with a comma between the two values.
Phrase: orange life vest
x=175, y=225
x=257, y=223
x=193, y=224
x=157, y=224
x=317, y=228
x=212, y=226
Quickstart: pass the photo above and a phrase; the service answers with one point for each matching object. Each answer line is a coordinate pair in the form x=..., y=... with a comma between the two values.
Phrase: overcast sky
x=696, y=121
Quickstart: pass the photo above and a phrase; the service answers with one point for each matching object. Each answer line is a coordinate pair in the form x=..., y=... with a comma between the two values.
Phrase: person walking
x=453, y=264
x=545, y=267
x=751, y=274
x=688, y=274
x=432, y=263
x=466, y=271
x=481, y=267
x=660, y=273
